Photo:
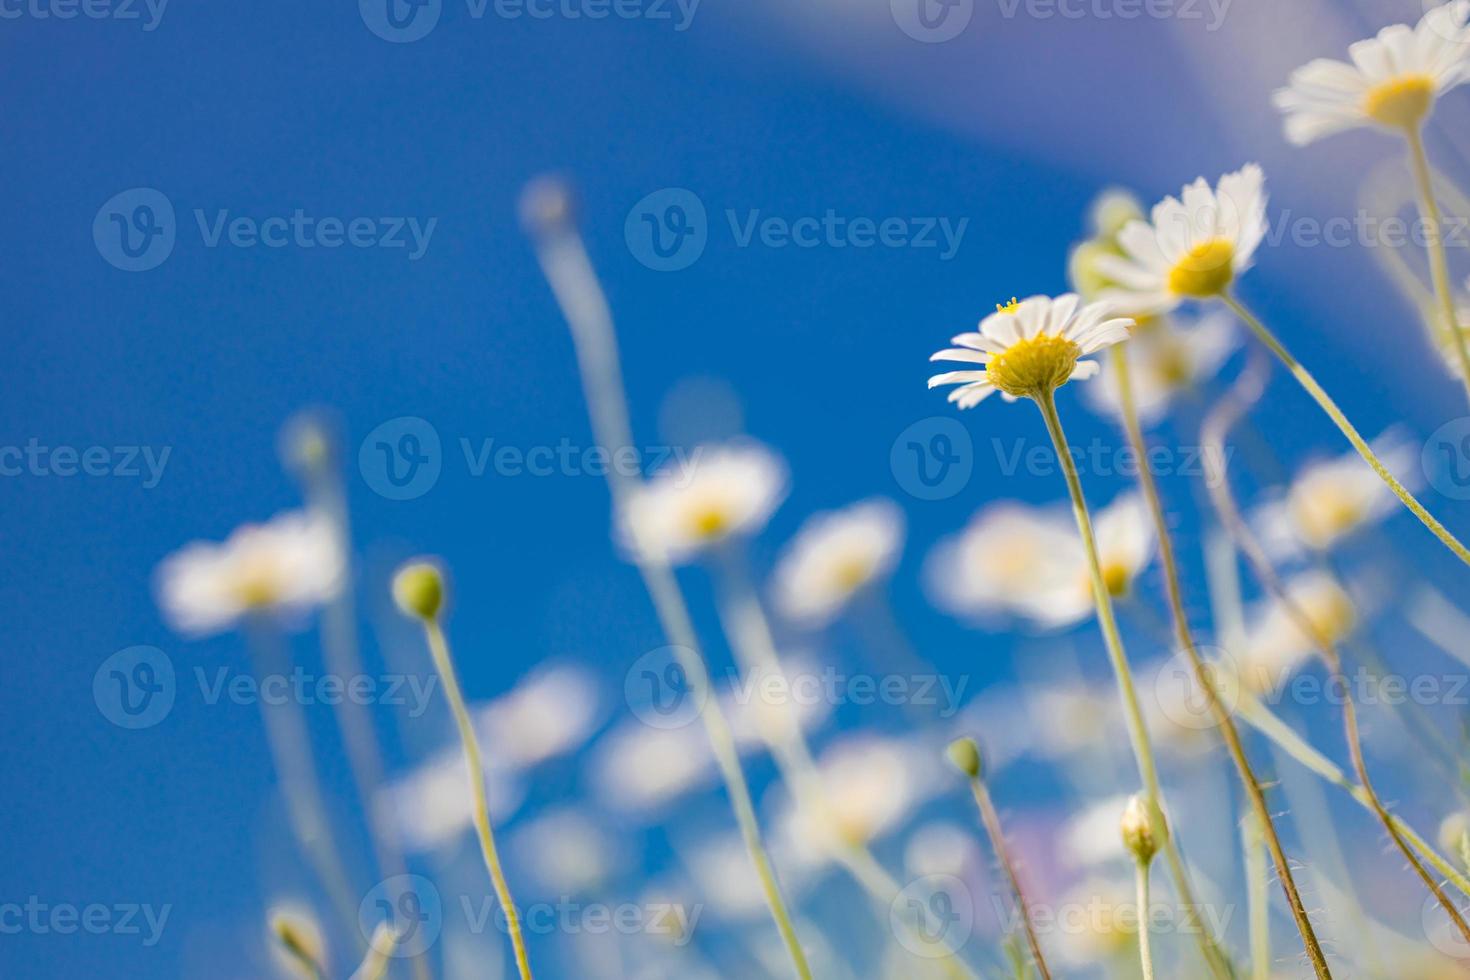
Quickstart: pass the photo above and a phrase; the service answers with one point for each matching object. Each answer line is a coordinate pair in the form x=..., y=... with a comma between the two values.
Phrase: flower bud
x=547, y=206
x=418, y=589
x=964, y=753
x=298, y=942
x=1112, y=211
x=1140, y=835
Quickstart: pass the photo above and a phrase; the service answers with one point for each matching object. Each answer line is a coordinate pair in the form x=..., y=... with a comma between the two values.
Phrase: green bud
x=1141, y=836
x=965, y=754
x=418, y=588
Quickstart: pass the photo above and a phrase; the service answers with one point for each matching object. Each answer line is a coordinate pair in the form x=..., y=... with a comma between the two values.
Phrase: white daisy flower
x=640, y=770
x=282, y=568
x=431, y=806
x=1125, y=544
x=1029, y=349
x=771, y=705
x=549, y=714
x=834, y=556
x=568, y=850
x=1192, y=248
x=1090, y=836
x=1392, y=82
x=1331, y=499
x=728, y=491
x=1166, y=360
x=1276, y=647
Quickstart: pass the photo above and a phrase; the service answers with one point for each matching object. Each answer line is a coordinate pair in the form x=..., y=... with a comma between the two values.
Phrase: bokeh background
x=775, y=109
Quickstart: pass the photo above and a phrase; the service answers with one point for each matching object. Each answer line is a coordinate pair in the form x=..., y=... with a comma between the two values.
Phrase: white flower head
x=1392, y=83
x=282, y=568
x=1029, y=561
x=1166, y=360
x=1029, y=348
x=549, y=714
x=834, y=556
x=1192, y=247
x=431, y=806
x=568, y=850
x=727, y=491
x=1277, y=645
x=638, y=770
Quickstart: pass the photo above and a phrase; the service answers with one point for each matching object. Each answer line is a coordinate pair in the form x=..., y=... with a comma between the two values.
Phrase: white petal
x=957, y=377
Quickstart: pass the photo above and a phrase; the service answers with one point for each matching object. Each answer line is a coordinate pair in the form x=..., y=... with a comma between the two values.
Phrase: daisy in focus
x=834, y=557
x=729, y=491
x=1029, y=348
x=1192, y=247
x=1392, y=82
x=1331, y=499
x=282, y=569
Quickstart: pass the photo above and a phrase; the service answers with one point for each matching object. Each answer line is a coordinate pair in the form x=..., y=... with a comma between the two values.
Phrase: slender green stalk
x=1143, y=754
x=1145, y=957
x=439, y=648
x=1185, y=638
x=1253, y=847
x=993, y=829
x=1439, y=267
x=1212, y=436
x=289, y=739
x=568, y=269
x=1305, y=379
x=375, y=964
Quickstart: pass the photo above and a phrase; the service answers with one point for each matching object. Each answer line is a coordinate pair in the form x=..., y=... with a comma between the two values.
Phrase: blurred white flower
x=639, y=770
x=725, y=491
x=1167, y=357
x=766, y=706
x=723, y=877
x=835, y=555
x=1029, y=561
x=431, y=805
x=567, y=850
x=282, y=568
x=1029, y=348
x=1392, y=82
x=1090, y=837
x=550, y=713
x=1189, y=249
x=1102, y=918
x=942, y=848
x=1276, y=646
x=1331, y=499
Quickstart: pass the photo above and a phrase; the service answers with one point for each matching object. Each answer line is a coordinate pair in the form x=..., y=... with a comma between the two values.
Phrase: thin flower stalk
x=1305, y=379
x=1257, y=888
x=1185, y=639
x=1212, y=437
x=1133, y=713
x=568, y=270
x=1145, y=954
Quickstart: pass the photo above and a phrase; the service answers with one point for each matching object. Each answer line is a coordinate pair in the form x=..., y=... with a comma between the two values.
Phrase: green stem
x=1439, y=267
x=1305, y=379
x=1145, y=957
x=439, y=647
x=1256, y=889
x=1133, y=713
x=1185, y=637
x=991, y=819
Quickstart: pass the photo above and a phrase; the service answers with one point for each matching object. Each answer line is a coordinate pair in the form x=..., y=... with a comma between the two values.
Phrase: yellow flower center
x=1033, y=366
x=1324, y=516
x=1116, y=578
x=257, y=584
x=1205, y=269
x=710, y=521
x=1010, y=307
x=851, y=573
x=1400, y=103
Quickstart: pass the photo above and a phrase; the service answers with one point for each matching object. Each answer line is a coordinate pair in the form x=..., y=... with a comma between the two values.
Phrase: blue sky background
x=264, y=108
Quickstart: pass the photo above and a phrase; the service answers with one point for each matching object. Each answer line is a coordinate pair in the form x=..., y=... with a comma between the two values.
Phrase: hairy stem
x=1439, y=267
x=991, y=819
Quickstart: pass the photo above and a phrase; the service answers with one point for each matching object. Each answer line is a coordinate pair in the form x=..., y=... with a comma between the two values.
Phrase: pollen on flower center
x=1116, y=578
x=709, y=522
x=1400, y=103
x=1205, y=270
x=1010, y=307
x=1034, y=366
